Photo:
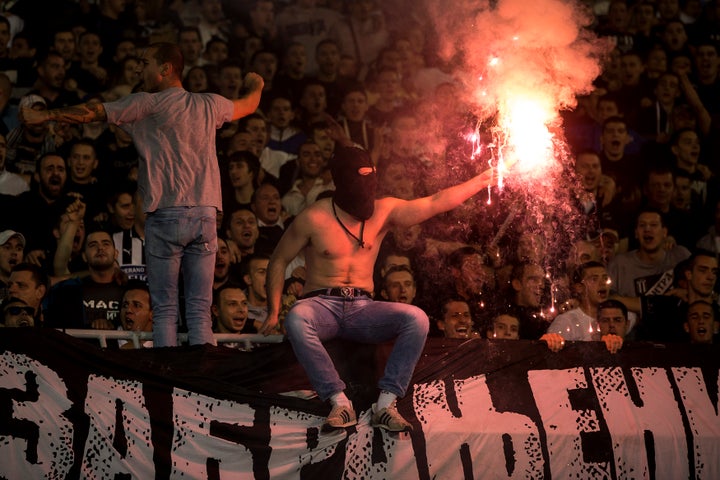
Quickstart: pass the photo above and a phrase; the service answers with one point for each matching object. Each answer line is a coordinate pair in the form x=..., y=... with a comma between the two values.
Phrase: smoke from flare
x=520, y=64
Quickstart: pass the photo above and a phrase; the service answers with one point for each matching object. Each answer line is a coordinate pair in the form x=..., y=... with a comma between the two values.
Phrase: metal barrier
x=246, y=339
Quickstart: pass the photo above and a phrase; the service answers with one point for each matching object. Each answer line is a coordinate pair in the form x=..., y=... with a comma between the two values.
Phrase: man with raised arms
x=178, y=179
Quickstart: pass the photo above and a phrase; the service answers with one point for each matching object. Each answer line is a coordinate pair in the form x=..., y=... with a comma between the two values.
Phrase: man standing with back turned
x=340, y=237
x=178, y=179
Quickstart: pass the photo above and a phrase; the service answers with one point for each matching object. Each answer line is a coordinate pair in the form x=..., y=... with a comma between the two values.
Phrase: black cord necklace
x=359, y=239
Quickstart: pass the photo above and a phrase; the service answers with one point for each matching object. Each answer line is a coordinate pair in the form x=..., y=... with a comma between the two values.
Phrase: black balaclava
x=354, y=193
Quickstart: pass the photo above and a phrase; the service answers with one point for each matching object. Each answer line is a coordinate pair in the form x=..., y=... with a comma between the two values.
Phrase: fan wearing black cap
x=340, y=237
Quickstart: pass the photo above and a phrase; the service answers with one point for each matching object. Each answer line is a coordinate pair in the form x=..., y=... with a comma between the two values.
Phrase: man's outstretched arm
x=248, y=103
x=416, y=211
x=82, y=113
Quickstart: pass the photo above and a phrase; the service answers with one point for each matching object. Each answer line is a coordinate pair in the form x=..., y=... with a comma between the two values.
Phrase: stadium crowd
x=625, y=246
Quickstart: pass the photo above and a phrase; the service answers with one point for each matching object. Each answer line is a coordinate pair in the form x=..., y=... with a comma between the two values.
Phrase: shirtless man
x=340, y=238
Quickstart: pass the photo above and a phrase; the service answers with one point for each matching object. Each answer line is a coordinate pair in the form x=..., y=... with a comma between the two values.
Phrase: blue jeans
x=314, y=320
x=181, y=240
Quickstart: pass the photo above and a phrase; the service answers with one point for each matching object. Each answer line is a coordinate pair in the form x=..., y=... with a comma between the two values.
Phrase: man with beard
x=222, y=264
x=340, y=239
x=17, y=313
x=51, y=74
x=37, y=210
x=174, y=132
x=92, y=301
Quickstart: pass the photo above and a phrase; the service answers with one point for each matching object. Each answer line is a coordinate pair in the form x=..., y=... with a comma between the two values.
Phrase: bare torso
x=333, y=258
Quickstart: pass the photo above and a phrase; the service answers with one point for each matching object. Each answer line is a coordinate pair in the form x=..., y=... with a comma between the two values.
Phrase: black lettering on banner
x=119, y=438
x=587, y=415
x=19, y=428
x=466, y=460
x=248, y=437
x=509, y=453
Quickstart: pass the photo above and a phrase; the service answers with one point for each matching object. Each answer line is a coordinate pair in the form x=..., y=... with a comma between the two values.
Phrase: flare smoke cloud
x=512, y=48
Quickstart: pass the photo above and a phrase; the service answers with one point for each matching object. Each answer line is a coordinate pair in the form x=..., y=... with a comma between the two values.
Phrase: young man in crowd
x=92, y=301
x=12, y=245
x=455, y=320
x=136, y=311
x=399, y=285
x=700, y=322
x=230, y=309
x=29, y=283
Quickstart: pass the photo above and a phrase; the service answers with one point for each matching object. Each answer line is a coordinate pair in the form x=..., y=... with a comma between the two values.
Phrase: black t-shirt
x=76, y=303
x=662, y=319
x=101, y=301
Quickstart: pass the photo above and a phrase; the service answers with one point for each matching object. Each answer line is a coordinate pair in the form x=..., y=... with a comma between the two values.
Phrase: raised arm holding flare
x=341, y=237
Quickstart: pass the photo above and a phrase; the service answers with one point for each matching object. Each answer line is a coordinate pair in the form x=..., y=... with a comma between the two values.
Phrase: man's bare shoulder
x=385, y=206
x=320, y=212
x=314, y=215
x=388, y=202
x=316, y=210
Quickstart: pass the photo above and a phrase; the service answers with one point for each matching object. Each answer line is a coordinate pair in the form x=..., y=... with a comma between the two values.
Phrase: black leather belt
x=345, y=292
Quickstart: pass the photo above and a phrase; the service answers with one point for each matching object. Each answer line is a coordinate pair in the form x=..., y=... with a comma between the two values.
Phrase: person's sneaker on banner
x=390, y=419
x=340, y=416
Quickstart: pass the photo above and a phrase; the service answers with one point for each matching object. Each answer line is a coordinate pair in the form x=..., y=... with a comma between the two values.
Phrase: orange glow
x=524, y=121
x=522, y=139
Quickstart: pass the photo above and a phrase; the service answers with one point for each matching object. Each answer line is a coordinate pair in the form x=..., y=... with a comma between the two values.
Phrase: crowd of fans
x=625, y=246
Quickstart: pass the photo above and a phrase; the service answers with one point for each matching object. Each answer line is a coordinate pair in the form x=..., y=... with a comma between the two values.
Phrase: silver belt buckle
x=347, y=292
